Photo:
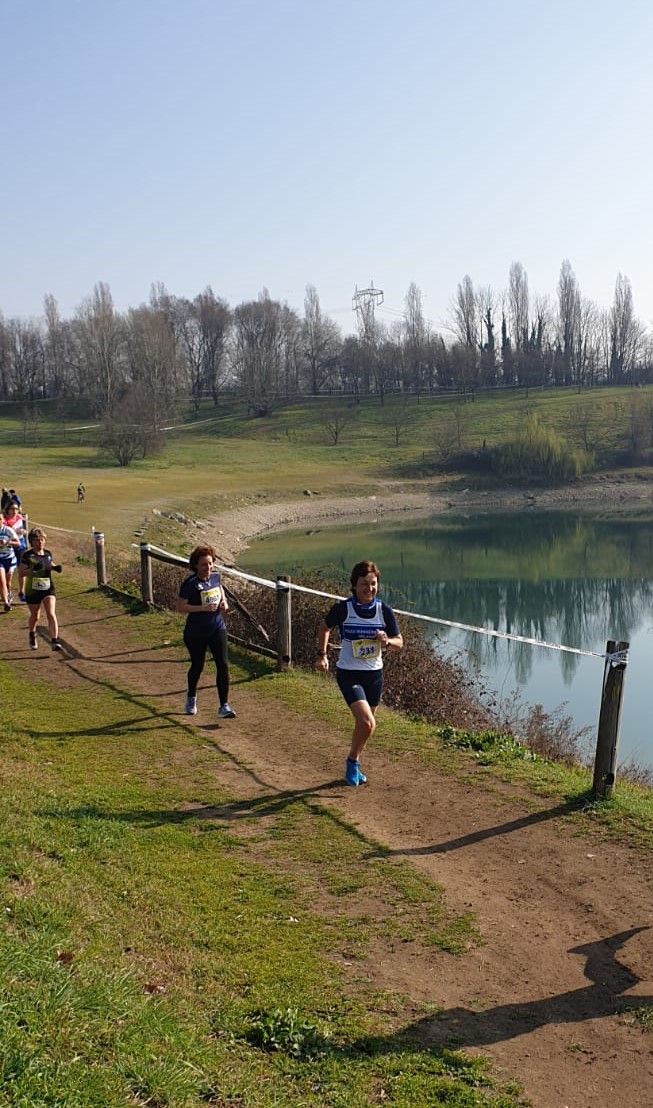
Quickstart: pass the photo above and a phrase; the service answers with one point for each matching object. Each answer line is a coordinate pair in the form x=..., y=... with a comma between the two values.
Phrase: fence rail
x=615, y=656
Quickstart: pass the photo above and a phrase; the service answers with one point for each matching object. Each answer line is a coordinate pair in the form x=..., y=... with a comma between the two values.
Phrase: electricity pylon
x=364, y=302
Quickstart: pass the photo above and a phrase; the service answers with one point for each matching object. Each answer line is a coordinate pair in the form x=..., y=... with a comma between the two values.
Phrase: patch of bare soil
x=567, y=921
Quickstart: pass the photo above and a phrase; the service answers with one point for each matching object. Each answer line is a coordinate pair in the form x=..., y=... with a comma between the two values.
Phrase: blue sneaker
x=352, y=772
x=225, y=711
x=190, y=708
x=362, y=779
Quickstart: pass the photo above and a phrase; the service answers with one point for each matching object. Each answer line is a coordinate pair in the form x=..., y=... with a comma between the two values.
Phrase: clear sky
x=275, y=143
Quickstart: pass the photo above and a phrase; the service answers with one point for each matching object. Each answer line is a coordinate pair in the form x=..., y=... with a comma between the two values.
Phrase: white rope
x=615, y=658
x=66, y=530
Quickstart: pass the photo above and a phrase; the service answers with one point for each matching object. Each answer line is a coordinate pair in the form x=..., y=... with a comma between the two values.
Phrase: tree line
x=132, y=368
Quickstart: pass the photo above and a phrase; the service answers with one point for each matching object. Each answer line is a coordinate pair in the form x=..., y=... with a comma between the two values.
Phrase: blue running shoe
x=352, y=772
x=190, y=707
x=362, y=779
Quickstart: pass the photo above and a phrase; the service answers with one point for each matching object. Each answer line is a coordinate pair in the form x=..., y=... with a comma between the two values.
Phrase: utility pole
x=364, y=302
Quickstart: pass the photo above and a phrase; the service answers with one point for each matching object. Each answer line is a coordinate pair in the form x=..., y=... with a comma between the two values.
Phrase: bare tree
x=57, y=349
x=264, y=337
x=626, y=332
x=464, y=314
x=26, y=363
x=202, y=326
x=486, y=301
x=568, y=318
x=464, y=367
x=4, y=359
x=446, y=436
x=387, y=371
x=100, y=333
x=321, y=342
x=586, y=357
x=154, y=362
x=214, y=319
x=415, y=340
x=586, y=424
x=399, y=419
x=335, y=423
x=518, y=305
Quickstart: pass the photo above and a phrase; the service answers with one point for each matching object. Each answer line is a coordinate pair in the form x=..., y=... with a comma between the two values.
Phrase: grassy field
x=156, y=951
x=227, y=459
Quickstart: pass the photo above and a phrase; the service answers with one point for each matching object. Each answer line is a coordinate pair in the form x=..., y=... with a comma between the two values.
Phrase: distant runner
x=366, y=626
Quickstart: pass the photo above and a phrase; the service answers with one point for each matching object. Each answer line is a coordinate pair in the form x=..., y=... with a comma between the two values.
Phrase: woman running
x=35, y=572
x=366, y=626
x=202, y=600
x=9, y=547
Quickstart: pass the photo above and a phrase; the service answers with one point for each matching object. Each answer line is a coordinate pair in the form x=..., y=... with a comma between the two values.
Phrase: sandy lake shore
x=231, y=531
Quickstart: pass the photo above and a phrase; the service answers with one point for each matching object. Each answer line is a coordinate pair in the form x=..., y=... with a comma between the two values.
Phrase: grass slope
x=152, y=955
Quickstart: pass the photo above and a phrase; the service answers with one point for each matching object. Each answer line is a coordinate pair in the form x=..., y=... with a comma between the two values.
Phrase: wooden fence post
x=284, y=623
x=147, y=592
x=100, y=563
x=607, y=743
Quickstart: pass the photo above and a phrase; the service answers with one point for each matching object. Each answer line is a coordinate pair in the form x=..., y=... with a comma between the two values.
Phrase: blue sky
x=274, y=144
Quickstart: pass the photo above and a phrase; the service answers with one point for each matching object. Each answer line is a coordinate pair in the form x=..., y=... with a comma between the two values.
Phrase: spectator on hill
x=35, y=572
x=202, y=600
x=366, y=625
x=81, y=493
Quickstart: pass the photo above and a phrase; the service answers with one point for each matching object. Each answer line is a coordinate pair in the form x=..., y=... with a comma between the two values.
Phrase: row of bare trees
x=569, y=341
x=135, y=366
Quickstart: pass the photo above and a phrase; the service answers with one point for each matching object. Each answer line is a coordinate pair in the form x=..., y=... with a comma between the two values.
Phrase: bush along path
x=534, y=945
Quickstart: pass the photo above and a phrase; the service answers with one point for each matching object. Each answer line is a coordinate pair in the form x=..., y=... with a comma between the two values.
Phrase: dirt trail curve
x=567, y=920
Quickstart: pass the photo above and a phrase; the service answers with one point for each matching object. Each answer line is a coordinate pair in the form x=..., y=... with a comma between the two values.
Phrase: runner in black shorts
x=35, y=571
x=366, y=625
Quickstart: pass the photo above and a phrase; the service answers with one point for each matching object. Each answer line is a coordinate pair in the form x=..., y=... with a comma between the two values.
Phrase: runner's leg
x=49, y=603
x=218, y=647
x=197, y=651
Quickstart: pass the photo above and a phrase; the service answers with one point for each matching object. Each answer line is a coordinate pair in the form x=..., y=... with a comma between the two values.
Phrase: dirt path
x=567, y=921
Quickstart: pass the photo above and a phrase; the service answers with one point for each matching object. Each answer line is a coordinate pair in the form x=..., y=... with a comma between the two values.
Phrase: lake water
x=575, y=579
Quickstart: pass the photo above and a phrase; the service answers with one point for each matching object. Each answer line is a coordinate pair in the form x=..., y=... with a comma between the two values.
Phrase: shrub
x=537, y=453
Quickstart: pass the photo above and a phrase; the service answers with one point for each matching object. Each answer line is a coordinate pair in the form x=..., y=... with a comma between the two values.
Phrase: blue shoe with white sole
x=352, y=772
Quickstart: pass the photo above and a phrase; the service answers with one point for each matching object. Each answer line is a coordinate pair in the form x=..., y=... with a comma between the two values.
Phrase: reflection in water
x=575, y=580
x=581, y=613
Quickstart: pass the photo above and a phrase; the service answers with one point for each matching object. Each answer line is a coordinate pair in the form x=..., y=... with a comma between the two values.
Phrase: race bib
x=364, y=649
x=40, y=583
x=211, y=596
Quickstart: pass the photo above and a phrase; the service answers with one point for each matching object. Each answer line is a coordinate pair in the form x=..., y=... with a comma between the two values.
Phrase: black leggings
x=196, y=647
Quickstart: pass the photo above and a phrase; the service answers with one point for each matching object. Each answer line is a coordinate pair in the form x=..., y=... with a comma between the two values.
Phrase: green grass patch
x=147, y=939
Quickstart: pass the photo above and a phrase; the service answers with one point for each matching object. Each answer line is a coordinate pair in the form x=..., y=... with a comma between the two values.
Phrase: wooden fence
x=615, y=657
